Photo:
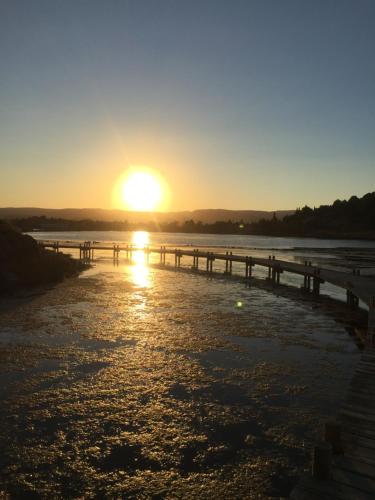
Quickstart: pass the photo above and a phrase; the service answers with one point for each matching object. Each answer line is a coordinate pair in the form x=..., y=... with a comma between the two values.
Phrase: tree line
x=353, y=218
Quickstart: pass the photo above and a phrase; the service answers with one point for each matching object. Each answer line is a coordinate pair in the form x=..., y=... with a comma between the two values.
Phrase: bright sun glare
x=142, y=191
x=140, y=239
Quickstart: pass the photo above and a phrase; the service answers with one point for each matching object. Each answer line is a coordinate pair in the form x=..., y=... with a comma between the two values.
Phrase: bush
x=23, y=263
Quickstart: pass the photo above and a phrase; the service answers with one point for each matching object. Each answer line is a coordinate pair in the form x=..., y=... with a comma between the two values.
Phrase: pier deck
x=357, y=287
x=353, y=470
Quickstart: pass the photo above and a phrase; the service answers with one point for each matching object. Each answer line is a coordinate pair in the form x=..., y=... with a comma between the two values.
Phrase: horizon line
x=147, y=211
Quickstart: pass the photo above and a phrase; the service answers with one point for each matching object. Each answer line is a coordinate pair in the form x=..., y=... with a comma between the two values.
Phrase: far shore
x=350, y=236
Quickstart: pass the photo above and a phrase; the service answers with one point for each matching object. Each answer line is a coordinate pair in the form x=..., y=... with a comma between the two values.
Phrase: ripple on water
x=168, y=390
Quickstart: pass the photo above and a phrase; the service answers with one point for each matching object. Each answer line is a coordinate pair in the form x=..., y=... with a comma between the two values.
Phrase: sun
x=141, y=190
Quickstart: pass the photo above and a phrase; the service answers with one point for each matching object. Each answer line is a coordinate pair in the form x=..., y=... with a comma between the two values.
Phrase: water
x=137, y=382
x=207, y=240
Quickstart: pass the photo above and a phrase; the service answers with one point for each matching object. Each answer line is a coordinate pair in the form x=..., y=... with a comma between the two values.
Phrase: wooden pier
x=357, y=287
x=343, y=464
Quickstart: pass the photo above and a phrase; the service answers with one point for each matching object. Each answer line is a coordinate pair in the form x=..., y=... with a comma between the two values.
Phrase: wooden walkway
x=352, y=474
x=357, y=287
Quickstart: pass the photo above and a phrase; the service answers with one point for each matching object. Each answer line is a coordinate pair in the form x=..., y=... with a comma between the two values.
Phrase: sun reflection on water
x=140, y=272
x=140, y=275
x=140, y=239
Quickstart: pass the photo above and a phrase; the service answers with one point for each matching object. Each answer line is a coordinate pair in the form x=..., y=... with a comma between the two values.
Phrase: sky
x=238, y=104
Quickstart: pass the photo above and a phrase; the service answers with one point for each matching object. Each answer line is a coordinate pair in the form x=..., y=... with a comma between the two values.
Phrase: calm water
x=137, y=382
x=207, y=240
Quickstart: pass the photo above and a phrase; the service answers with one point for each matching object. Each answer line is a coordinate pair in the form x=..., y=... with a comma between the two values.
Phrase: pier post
x=175, y=257
x=371, y=324
x=248, y=270
x=332, y=435
x=230, y=263
x=306, y=278
x=309, y=278
x=116, y=252
x=316, y=286
x=161, y=255
x=351, y=299
x=322, y=461
x=273, y=275
x=316, y=282
x=269, y=268
x=273, y=271
x=226, y=263
x=195, y=257
x=209, y=262
x=307, y=282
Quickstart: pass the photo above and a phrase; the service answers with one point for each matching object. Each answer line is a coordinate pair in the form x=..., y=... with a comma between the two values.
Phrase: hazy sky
x=259, y=104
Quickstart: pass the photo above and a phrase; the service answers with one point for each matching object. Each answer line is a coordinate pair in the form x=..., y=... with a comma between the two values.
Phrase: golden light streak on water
x=140, y=272
x=140, y=239
x=140, y=275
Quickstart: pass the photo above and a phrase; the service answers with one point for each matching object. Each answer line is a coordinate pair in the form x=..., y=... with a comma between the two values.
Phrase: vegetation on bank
x=23, y=263
x=354, y=218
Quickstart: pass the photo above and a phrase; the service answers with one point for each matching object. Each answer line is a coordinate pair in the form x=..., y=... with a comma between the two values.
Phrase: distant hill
x=346, y=219
x=207, y=216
